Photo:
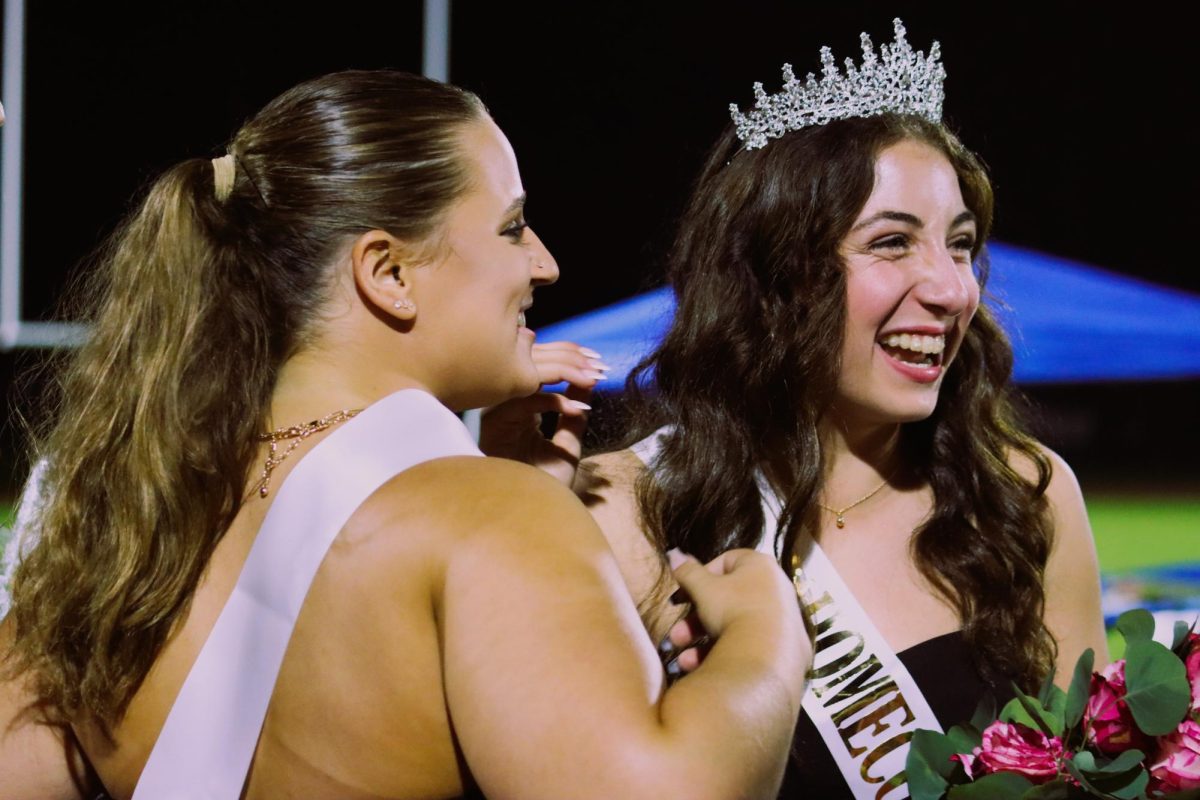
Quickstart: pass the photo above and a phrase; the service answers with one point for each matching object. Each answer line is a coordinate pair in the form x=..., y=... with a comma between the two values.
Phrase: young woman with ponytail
x=227, y=600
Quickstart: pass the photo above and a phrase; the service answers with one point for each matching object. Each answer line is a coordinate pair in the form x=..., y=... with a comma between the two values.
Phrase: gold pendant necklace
x=298, y=433
x=840, y=513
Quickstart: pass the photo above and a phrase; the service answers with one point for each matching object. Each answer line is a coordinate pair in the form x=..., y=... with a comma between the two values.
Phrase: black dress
x=943, y=670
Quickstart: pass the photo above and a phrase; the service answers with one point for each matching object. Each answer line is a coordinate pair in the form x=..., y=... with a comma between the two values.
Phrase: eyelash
x=895, y=241
x=516, y=231
x=899, y=241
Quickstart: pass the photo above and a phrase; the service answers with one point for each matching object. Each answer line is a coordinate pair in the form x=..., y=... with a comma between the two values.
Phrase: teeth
x=520, y=319
x=916, y=342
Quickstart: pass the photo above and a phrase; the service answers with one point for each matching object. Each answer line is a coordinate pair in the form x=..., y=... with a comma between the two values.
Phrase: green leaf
x=928, y=765
x=985, y=712
x=1136, y=626
x=1156, y=687
x=997, y=786
x=964, y=738
x=1045, y=693
x=1182, y=629
x=1124, y=784
x=1122, y=763
x=1077, y=694
x=1029, y=712
x=1055, y=790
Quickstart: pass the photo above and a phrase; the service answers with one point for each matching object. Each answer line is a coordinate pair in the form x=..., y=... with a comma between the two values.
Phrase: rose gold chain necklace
x=297, y=433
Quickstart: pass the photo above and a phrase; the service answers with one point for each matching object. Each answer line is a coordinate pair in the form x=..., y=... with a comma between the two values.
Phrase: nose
x=947, y=285
x=544, y=268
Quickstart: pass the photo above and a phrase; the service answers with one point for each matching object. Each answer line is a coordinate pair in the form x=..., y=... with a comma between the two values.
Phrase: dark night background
x=611, y=106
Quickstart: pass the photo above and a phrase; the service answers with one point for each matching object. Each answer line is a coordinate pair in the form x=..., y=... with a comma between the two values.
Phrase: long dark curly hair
x=751, y=362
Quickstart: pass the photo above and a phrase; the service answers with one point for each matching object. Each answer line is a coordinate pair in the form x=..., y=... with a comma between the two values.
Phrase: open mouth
x=916, y=349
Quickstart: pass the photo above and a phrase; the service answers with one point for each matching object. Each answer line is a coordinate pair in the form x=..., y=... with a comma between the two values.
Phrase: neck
x=325, y=378
x=857, y=459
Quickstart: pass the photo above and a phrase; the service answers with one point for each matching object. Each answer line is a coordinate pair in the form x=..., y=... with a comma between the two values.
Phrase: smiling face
x=472, y=300
x=910, y=288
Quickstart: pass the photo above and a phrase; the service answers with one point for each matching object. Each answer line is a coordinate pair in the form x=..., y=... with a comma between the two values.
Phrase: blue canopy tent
x=1068, y=322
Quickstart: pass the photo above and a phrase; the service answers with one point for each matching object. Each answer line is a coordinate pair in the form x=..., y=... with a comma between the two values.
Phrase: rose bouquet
x=1128, y=732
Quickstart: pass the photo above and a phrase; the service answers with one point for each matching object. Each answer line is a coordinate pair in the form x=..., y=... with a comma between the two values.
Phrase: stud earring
x=404, y=305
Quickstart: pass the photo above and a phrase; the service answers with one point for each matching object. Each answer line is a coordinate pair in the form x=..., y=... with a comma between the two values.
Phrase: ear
x=383, y=272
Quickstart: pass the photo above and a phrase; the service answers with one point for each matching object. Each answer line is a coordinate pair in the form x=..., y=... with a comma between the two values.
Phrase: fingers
x=689, y=573
x=578, y=366
x=685, y=646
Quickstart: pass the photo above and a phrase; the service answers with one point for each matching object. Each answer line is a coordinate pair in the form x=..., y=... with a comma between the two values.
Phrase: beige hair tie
x=223, y=172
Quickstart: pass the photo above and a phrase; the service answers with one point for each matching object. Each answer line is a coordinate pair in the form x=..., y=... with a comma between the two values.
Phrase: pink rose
x=1178, y=764
x=1012, y=747
x=1109, y=723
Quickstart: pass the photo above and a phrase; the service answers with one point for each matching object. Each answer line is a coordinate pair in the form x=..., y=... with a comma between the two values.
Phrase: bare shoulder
x=1067, y=509
x=1072, y=577
x=607, y=485
x=450, y=500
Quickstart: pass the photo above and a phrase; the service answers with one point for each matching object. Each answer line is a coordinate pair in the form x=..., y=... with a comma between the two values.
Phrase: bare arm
x=37, y=761
x=553, y=686
x=606, y=485
x=1072, y=576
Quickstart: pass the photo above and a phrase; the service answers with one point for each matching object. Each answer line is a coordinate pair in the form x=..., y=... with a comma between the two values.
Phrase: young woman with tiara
x=831, y=392
x=270, y=561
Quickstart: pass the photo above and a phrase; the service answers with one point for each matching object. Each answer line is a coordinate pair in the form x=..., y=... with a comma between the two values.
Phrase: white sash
x=206, y=746
x=860, y=696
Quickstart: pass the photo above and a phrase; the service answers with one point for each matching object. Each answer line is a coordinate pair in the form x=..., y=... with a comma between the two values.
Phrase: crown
x=897, y=80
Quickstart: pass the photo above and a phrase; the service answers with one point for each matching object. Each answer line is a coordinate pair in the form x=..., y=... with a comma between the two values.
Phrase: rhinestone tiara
x=897, y=80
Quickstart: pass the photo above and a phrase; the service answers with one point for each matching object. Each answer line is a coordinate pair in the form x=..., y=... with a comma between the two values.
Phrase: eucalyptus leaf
x=1085, y=761
x=985, y=712
x=964, y=738
x=1156, y=687
x=1055, y=790
x=928, y=765
x=1078, y=774
x=1182, y=629
x=1029, y=712
x=1125, y=786
x=1077, y=694
x=1045, y=692
x=1136, y=626
x=997, y=786
x=1122, y=763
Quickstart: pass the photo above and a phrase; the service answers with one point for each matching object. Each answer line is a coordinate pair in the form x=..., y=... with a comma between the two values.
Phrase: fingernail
x=596, y=376
x=665, y=645
x=578, y=405
x=598, y=364
x=673, y=668
x=675, y=557
x=590, y=353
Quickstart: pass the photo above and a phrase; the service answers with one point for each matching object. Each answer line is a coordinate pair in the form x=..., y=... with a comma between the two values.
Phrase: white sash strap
x=208, y=741
x=860, y=696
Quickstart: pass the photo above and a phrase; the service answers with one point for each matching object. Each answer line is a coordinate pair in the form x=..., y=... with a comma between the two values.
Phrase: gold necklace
x=840, y=513
x=298, y=433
